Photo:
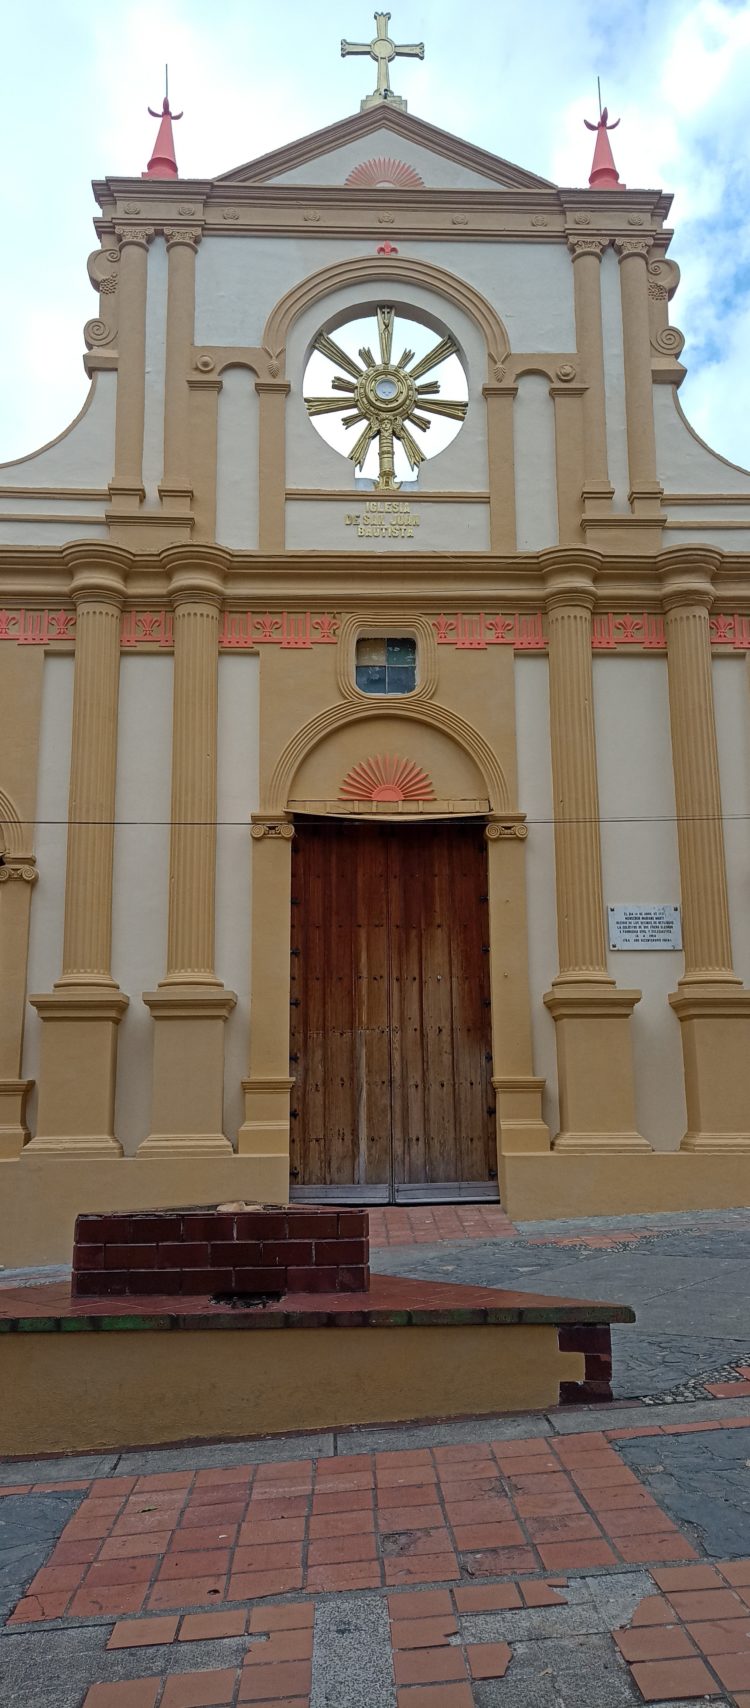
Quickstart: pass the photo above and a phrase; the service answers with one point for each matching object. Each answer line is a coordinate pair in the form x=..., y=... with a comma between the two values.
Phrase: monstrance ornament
x=386, y=396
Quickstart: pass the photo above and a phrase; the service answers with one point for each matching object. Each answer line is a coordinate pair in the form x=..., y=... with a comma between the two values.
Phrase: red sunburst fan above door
x=385, y=777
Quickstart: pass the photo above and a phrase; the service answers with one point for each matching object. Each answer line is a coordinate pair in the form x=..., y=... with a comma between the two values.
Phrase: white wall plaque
x=641, y=925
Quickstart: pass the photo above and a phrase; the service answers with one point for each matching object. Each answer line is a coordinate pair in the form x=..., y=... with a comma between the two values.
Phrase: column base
x=520, y=1127
x=715, y=1025
x=266, y=1127
x=188, y=1093
x=595, y=1067
x=14, y=1133
x=77, y=1072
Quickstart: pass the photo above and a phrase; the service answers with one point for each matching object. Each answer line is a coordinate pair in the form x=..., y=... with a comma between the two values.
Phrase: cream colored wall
x=684, y=462
x=727, y=539
x=531, y=676
x=156, y=337
x=534, y=462
x=48, y=901
x=731, y=678
x=239, y=280
x=640, y=864
x=141, y=872
x=237, y=461
x=83, y=455
x=614, y=380
x=438, y=172
x=237, y=798
x=46, y=534
x=442, y=527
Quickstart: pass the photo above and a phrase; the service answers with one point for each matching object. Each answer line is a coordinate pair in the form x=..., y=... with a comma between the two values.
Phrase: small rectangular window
x=387, y=666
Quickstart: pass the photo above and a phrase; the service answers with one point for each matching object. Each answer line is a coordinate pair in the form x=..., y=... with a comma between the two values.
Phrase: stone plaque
x=644, y=925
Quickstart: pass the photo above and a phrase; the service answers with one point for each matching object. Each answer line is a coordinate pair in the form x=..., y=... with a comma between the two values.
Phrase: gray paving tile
x=352, y=1666
x=403, y=1436
x=70, y=1469
x=205, y=1457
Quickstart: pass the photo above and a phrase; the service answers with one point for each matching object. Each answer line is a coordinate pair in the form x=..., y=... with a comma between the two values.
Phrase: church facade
x=375, y=825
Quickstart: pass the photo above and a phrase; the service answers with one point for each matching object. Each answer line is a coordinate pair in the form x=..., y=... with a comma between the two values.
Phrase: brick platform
x=263, y=1252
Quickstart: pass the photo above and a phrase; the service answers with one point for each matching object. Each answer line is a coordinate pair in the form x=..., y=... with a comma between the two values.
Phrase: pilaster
x=126, y=487
x=501, y=469
x=518, y=1093
x=175, y=489
x=18, y=874
x=265, y=1129
x=272, y=396
x=710, y=1002
x=595, y=1069
x=191, y=1005
x=645, y=492
x=598, y=491
x=80, y=1016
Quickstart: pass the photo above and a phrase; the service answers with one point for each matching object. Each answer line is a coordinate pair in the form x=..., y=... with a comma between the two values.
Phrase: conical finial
x=603, y=175
x=163, y=162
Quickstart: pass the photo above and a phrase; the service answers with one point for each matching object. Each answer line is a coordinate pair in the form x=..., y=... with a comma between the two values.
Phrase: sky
x=517, y=79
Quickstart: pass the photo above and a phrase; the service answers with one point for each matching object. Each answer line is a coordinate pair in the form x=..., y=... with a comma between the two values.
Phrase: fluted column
x=587, y=255
x=191, y=1004
x=77, y=1079
x=597, y=1103
x=175, y=488
x=710, y=1002
x=645, y=491
x=126, y=486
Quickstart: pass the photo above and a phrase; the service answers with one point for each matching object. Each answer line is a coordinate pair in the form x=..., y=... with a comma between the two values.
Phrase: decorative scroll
x=298, y=631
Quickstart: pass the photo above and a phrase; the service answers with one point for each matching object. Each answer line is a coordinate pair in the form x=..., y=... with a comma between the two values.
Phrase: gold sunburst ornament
x=386, y=395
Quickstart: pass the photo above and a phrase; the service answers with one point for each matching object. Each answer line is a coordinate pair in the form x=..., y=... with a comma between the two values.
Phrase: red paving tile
x=488, y=1660
x=291, y=1616
x=655, y=1643
x=206, y=1627
x=495, y=1597
x=658, y=1681
x=275, y=1683
x=200, y=1689
x=436, y=1696
x=139, y=1633
x=422, y=1633
x=429, y=1666
x=137, y=1693
x=427, y=1604
x=722, y=1636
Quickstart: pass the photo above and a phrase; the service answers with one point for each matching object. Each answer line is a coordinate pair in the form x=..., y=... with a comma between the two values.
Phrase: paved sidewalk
x=588, y=1558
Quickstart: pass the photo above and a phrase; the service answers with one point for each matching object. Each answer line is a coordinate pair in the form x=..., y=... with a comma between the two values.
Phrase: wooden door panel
x=390, y=1020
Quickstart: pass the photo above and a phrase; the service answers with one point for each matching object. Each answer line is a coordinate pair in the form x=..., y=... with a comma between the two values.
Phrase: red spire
x=163, y=162
x=603, y=175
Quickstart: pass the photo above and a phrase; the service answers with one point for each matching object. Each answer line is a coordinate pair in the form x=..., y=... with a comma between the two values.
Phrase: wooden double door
x=390, y=1011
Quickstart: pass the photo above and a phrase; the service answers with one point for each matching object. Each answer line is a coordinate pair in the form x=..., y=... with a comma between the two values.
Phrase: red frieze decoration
x=385, y=777
x=298, y=631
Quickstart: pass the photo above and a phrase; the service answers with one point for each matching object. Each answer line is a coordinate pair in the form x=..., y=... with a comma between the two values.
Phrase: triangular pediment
x=383, y=147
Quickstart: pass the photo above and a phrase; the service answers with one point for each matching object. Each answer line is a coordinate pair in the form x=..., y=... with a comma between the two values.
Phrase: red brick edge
x=262, y=1252
x=594, y=1340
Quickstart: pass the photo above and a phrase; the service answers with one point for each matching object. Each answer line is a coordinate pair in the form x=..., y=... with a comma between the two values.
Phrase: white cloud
x=516, y=80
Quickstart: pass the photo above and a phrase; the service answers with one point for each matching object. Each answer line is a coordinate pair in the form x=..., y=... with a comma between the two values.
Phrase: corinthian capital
x=188, y=235
x=579, y=246
x=141, y=235
x=627, y=246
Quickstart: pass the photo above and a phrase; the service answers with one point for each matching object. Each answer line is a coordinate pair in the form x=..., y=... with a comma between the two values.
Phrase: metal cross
x=383, y=50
